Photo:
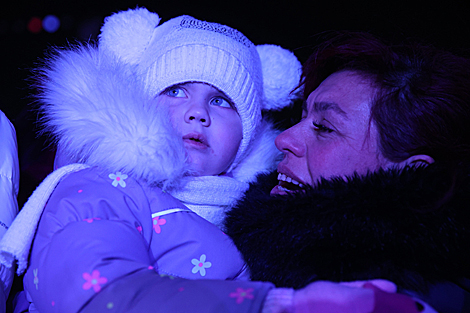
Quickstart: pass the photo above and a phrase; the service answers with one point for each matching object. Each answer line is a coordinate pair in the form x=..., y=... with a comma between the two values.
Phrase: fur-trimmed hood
x=95, y=108
x=410, y=226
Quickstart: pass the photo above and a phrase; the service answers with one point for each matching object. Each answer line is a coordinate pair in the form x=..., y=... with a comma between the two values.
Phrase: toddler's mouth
x=196, y=140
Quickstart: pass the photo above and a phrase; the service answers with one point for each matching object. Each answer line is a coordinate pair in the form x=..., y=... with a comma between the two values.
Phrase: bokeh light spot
x=35, y=25
x=51, y=23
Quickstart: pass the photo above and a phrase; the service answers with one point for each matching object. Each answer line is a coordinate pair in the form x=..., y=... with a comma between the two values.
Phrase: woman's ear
x=416, y=160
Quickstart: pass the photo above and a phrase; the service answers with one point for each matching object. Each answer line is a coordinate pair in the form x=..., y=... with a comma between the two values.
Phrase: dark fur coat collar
x=411, y=227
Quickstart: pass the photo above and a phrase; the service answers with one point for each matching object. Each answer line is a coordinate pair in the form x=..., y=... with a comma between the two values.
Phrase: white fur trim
x=96, y=108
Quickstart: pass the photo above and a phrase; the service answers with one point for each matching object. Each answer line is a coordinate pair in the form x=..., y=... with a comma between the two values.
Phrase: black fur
x=410, y=226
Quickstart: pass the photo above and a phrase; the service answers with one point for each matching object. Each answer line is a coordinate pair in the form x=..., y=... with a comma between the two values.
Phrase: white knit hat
x=185, y=49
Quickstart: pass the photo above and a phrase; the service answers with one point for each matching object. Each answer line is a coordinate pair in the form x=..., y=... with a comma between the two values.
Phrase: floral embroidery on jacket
x=157, y=222
x=94, y=280
x=118, y=179
x=200, y=265
x=241, y=294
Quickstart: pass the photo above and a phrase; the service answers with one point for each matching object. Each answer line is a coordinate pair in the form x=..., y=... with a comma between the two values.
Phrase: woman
x=374, y=180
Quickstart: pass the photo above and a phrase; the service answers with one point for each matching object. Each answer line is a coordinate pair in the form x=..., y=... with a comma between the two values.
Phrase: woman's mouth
x=286, y=185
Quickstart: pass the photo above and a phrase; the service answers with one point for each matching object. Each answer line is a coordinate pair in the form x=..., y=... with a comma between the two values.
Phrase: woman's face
x=334, y=137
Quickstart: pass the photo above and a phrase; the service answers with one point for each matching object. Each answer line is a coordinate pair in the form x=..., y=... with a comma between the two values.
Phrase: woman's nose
x=197, y=112
x=291, y=141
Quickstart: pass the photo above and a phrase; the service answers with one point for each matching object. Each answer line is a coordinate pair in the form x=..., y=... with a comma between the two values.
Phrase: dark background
x=296, y=25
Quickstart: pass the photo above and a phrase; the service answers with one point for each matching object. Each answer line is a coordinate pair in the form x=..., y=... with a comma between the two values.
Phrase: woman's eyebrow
x=323, y=106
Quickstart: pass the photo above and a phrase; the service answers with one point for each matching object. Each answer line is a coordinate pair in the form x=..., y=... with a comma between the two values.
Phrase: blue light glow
x=51, y=23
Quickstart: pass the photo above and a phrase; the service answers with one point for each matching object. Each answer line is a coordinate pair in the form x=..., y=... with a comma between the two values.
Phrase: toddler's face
x=208, y=123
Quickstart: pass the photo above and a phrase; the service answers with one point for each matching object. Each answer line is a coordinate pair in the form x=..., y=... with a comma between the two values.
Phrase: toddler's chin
x=201, y=167
x=195, y=169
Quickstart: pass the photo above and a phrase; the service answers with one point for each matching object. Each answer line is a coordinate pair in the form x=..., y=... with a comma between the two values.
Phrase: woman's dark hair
x=422, y=105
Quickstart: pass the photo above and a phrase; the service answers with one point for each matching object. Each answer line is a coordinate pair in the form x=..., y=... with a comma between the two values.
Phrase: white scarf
x=210, y=196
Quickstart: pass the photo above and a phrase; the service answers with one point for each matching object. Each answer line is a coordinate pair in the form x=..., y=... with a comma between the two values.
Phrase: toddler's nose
x=198, y=112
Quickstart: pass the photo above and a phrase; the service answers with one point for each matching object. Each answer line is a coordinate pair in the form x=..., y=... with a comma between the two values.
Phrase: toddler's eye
x=221, y=102
x=176, y=92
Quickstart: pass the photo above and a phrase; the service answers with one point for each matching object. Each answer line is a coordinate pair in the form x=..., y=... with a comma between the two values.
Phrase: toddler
x=159, y=131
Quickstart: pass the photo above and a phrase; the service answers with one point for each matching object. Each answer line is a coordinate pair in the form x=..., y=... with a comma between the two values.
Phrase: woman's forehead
x=342, y=93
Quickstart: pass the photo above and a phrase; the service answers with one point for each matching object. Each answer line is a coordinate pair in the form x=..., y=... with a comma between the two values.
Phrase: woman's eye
x=321, y=128
x=221, y=102
x=175, y=92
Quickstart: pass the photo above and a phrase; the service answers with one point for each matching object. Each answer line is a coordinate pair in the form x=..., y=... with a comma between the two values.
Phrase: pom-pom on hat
x=185, y=49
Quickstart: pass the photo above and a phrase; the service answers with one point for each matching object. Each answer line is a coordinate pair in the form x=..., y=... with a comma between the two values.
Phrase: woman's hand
x=324, y=296
x=375, y=296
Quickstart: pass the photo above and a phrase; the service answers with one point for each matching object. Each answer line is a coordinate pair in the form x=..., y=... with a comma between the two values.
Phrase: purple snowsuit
x=105, y=241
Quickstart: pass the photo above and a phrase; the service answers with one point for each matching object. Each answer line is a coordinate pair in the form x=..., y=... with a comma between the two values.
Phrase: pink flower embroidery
x=94, y=280
x=241, y=294
x=157, y=222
